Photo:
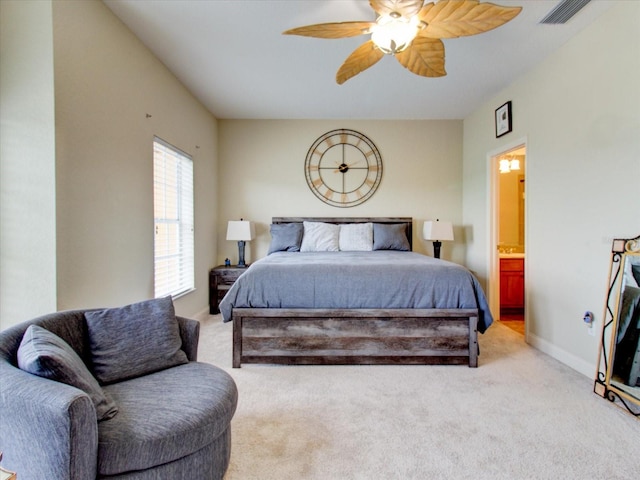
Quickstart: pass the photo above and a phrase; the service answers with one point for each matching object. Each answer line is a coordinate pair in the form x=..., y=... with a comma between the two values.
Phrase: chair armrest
x=47, y=429
x=190, y=333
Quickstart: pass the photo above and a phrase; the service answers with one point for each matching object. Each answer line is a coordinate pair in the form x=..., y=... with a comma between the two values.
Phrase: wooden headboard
x=408, y=221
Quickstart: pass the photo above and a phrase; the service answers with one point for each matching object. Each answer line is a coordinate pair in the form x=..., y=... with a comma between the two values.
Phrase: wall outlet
x=589, y=320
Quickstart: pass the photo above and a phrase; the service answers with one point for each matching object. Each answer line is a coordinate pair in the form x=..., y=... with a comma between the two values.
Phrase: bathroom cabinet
x=512, y=285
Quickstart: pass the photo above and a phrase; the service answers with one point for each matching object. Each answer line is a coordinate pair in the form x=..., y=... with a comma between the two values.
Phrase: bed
x=386, y=306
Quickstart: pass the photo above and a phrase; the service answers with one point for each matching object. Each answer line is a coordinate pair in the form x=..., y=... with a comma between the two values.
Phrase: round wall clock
x=343, y=168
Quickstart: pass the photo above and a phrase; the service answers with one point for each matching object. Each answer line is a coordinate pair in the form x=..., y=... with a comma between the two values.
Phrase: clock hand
x=344, y=167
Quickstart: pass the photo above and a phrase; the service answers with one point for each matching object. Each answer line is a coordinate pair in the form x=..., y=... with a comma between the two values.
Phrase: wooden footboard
x=355, y=337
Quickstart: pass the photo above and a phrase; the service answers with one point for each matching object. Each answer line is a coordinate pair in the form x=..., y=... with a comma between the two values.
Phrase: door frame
x=494, y=224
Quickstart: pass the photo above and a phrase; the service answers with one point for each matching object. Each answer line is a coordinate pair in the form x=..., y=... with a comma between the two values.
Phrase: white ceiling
x=232, y=56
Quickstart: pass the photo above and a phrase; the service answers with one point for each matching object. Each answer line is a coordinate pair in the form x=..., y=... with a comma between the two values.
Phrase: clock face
x=343, y=168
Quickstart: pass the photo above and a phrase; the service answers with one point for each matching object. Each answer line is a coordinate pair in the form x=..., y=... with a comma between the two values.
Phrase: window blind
x=173, y=220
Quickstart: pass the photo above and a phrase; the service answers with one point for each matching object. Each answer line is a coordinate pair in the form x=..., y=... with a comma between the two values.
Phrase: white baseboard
x=578, y=364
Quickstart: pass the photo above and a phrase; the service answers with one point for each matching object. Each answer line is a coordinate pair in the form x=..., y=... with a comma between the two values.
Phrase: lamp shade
x=240, y=230
x=438, y=231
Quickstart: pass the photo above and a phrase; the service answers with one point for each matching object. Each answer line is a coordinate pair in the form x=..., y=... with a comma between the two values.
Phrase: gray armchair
x=171, y=424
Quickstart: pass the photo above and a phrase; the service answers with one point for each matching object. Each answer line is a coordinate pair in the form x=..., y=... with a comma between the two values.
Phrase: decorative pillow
x=320, y=237
x=134, y=340
x=356, y=237
x=46, y=355
x=285, y=237
x=391, y=236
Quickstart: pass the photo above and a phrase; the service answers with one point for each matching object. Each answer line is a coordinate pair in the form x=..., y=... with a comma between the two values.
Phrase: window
x=173, y=220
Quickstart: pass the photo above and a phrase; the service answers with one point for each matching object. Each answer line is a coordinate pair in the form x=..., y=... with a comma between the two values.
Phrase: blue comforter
x=378, y=279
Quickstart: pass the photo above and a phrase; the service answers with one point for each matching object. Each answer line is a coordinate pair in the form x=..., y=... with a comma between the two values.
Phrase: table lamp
x=437, y=231
x=242, y=231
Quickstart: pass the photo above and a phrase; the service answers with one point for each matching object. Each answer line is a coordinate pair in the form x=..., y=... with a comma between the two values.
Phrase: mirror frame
x=621, y=249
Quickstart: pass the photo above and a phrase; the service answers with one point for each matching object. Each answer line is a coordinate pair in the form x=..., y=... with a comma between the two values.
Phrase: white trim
x=492, y=234
x=576, y=363
x=182, y=294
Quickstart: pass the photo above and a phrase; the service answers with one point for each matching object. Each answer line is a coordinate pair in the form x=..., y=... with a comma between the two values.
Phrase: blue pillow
x=285, y=237
x=390, y=236
x=134, y=340
x=46, y=355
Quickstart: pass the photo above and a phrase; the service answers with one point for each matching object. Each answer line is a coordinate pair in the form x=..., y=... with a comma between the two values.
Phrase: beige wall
x=262, y=176
x=579, y=112
x=27, y=162
x=106, y=82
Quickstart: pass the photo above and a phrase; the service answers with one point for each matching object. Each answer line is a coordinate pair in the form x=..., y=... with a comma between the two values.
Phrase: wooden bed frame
x=354, y=336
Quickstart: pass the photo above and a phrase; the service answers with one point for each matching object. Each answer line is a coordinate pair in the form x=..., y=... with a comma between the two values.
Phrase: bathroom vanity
x=512, y=283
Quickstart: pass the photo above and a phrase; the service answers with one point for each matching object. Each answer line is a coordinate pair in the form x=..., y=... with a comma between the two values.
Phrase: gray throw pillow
x=392, y=236
x=286, y=237
x=134, y=340
x=46, y=355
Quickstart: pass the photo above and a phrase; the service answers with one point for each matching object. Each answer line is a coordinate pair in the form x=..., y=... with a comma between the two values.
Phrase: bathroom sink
x=511, y=255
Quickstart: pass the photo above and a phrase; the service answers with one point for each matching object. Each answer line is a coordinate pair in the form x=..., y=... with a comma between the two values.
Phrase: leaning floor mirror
x=618, y=376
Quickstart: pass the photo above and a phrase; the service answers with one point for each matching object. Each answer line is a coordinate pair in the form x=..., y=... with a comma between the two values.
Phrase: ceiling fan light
x=514, y=164
x=393, y=34
x=505, y=166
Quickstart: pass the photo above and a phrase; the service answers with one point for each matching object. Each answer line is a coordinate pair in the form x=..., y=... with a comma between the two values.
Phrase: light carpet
x=519, y=415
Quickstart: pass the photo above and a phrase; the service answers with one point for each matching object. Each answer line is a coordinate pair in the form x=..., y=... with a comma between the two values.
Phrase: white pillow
x=320, y=237
x=356, y=237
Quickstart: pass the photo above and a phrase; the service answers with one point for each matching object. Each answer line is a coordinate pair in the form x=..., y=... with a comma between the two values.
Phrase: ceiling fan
x=411, y=31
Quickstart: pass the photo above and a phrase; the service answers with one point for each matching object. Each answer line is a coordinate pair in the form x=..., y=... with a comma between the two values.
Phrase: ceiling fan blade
x=461, y=18
x=332, y=30
x=362, y=58
x=424, y=57
x=406, y=8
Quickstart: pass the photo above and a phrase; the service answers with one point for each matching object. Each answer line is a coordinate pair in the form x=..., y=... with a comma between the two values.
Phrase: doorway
x=507, y=244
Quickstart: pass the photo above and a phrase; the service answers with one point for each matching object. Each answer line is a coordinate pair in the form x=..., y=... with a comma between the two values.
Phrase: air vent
x=564, y=11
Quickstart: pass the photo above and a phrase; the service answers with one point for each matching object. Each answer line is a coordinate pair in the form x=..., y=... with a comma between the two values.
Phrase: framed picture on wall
x=503, y=119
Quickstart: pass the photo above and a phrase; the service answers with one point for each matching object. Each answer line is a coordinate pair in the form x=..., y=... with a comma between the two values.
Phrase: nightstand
x=221, y=278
